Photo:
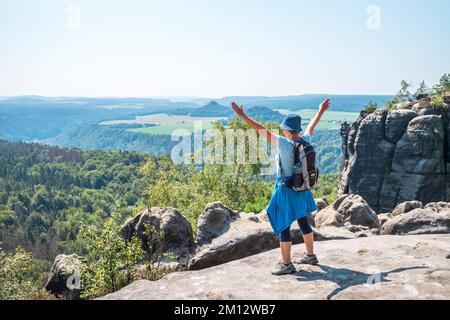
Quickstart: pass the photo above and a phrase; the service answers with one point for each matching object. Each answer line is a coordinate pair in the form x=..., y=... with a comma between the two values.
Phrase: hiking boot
x=307, y=259
x=283, y=269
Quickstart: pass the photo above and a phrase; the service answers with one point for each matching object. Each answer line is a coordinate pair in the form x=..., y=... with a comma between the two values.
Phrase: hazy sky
x=217, y=48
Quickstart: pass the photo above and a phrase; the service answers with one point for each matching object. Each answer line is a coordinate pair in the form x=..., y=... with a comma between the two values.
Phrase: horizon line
x=194, y=97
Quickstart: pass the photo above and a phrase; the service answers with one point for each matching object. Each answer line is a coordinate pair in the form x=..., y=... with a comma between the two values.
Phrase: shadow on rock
x=346, y=278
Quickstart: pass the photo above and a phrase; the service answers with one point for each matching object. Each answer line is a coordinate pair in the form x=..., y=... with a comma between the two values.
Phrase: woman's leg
x=286, y=267
x=308, y=235
x=286, y=245
x=309, y=243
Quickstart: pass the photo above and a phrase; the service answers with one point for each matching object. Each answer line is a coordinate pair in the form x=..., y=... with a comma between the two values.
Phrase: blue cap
x=292, y=122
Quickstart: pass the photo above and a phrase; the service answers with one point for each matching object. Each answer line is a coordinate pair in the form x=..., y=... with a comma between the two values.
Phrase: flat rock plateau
x=384, y=267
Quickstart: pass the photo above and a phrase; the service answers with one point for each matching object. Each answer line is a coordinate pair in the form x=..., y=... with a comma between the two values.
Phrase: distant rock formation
x=397, y=156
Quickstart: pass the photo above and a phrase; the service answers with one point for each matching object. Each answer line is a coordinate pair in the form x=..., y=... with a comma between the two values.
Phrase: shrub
x=18, y=279
x=112, y=261
x=370, y=108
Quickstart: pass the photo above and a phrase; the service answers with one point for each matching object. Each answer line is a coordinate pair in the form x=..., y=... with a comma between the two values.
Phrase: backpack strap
x=297, y=146
x=305, y=172
x=299, y=157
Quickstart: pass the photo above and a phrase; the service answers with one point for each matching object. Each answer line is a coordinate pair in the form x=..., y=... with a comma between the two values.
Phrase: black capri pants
x=304, y=225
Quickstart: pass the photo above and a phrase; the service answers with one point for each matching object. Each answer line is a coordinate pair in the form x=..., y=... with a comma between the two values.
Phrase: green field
x=167, y=124
x=170, y=127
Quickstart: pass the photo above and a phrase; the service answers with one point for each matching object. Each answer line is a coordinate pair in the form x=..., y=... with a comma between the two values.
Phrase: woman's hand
x=325, y=105
x=312, y=125
x=259, y=128
x=239, y=110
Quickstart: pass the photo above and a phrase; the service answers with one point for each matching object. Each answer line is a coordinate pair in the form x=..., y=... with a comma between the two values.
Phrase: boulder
x=357, y=211
x=214, y=221
x=418, y=221
x=405, y=268
x=176, y=230
x=65, y=277
x=407, y=207
x=438, y=206
x=446, y=98
x=350, y=210
x=329, y=218
x=383, y=218
x=321, y=204
x=243, y=238
x=262, y=216
x=333, y=233
x=423, y=103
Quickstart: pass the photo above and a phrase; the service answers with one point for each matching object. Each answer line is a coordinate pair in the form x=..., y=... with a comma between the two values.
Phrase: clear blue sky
x=217, y=48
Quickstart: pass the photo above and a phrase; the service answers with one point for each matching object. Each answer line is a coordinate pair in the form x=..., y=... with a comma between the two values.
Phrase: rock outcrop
x=438, y=206
x=244, y=236
x=171, y=232
x=418, y=221
x=214, y=221
x=385, y=267
x=225, y=235
x=406, y=207
x=384, y=217
x=397, y=156
x=64, y=279
x=349, y=211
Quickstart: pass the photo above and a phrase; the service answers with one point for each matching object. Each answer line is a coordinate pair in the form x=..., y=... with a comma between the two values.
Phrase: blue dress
x=286, y=205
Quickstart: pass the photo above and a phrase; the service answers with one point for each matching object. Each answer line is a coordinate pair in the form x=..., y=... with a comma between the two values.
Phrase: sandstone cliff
x=397, y=156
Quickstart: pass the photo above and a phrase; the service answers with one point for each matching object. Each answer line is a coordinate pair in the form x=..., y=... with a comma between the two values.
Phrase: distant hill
x=214, y=109
x=349, y=103
x=32, y=118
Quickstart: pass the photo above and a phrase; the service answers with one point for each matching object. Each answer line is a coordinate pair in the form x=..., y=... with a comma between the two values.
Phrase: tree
x=371, y=107
x=443, y=86
x=404, y=95
x=422, y=90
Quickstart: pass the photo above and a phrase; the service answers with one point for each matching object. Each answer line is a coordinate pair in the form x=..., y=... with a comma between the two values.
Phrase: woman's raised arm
x=312, y=125
x=265, y=133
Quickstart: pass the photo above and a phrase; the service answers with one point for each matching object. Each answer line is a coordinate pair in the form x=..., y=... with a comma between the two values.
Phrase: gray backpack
x=305, y=173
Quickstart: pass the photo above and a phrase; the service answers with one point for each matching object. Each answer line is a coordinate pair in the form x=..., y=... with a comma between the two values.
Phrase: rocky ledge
x=385, y=267
x=225, y=235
